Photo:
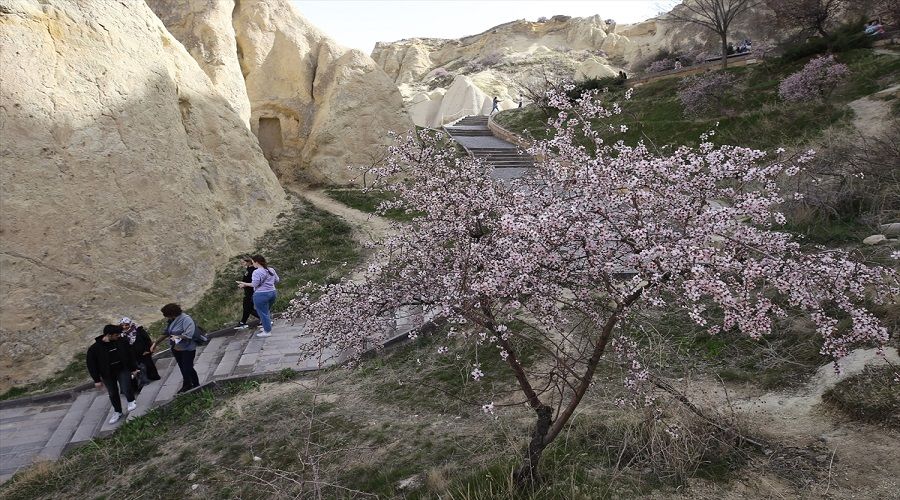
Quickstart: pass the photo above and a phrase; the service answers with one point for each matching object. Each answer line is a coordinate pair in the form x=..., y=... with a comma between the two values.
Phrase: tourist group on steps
x=121, y=358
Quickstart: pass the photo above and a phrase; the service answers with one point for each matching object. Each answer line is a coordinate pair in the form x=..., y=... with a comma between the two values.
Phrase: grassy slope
x=303, y=233
x=365, y=431
x=753, y=116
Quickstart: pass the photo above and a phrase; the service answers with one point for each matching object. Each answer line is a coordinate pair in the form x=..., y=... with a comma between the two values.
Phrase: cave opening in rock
x=269, y=134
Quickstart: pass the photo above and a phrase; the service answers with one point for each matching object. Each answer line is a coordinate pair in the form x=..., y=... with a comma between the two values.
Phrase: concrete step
x=209, y=358
x=147, y=397
x=66, y=428
x=92, y=419
x=169, y=385
x=232, y=353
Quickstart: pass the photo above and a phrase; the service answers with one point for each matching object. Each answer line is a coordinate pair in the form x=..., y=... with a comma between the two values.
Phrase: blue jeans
x=263, y=302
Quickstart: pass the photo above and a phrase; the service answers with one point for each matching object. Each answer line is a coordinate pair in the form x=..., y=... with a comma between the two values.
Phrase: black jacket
x=106, y=359
x=142, y=342
x=248, y=278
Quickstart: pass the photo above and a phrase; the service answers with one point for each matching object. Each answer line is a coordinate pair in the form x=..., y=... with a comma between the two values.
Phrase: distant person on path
x=520, y=102
x=142, y=347
x=111, y=363
x=874, y=28
x=249, y=310
x=180, y=332
x=263, y=282
x=496, y=106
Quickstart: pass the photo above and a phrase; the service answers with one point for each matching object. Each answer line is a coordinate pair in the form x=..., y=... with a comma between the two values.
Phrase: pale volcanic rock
x=570, y=48
x=127, y=178
x=317, y=107
x=204, y=28
x=594, y=68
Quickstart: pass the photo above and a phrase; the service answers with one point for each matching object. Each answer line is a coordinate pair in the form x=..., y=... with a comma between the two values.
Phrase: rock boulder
x=317, y=107
x=127, y=177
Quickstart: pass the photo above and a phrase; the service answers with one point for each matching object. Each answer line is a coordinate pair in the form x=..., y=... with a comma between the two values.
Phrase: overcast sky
x=361, y=23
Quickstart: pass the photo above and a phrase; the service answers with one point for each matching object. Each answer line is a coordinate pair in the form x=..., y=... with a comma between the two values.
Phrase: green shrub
x=847, y=37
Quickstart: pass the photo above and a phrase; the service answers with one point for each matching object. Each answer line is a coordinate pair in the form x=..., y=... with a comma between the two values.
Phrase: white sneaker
x=242, y=326
x=264, y=334
x=115, y=417
x=132, y=405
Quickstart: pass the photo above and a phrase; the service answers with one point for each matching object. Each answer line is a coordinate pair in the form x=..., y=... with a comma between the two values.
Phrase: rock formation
x=499, y=60
x=317, y=107
x=127, y=178
x=204, y=28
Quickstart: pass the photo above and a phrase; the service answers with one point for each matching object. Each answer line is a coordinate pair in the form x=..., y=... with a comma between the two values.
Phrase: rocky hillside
x=316, y=106
x=139, y=144
x=127, y=178
x=498, y=61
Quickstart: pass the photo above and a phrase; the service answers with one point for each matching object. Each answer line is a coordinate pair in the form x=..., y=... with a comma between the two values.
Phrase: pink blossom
x=815, y=81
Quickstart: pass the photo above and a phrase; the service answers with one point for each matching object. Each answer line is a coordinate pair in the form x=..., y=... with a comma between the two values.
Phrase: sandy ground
x=873, y=112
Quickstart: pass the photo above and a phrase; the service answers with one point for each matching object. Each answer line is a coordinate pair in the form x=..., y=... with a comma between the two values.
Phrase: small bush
x=661, y=65
x=871, y=396
x=815, y=81
x=704, y=93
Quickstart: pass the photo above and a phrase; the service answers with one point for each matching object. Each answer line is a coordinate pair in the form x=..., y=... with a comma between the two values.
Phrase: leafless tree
x=715, y=15
x=808, y=15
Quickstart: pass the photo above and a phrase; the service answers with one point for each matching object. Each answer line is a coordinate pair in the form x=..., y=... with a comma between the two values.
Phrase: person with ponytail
x=263, y=282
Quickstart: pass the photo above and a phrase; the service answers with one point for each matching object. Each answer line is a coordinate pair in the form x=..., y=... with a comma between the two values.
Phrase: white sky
x=360, y=23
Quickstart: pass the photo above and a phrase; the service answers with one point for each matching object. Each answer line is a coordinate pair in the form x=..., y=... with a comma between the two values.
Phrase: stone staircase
x=44, y=429
x=473, y=134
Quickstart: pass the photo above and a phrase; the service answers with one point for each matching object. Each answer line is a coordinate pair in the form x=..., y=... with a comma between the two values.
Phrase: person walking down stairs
x=180, y=331
x=263, y=282
x=112, y=364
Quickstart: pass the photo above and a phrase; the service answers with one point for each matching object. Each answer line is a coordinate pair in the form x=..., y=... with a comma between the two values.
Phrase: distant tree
x=815, y=81
x=808, y=15
x=705, y=92
x=715, y=15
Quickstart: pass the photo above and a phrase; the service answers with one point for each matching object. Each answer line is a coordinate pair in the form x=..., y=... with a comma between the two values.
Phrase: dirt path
x=866, y=461
x=368, y=228
x=873, y=113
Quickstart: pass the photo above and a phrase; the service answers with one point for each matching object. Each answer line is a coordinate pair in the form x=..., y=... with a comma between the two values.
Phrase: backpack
x=199, y=337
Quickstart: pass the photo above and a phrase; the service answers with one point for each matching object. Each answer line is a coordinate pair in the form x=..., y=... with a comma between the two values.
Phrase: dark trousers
x=185, y=360
x=121, y=381
x=249, y=310
x=149, y=366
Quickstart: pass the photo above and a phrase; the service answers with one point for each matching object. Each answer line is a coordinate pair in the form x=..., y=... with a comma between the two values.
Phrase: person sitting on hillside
x=111, y=363
x=874, y=28
x=142, y=347
x=729, y=50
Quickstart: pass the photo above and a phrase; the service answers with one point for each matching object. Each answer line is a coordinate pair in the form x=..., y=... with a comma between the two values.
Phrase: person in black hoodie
x=142, y=347
x=249, y=310
x=111, y=363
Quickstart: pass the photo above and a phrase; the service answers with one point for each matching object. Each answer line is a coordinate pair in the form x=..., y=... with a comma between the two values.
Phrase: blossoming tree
x=816, y=80
x=597, y=232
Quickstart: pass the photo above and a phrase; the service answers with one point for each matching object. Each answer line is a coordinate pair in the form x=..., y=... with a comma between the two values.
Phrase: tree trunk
x=724, y=51
x=527, y=474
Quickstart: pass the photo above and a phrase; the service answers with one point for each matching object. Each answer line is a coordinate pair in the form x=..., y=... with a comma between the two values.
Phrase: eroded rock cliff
x=317, y=107
x=500, y=60
x=127, y=178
